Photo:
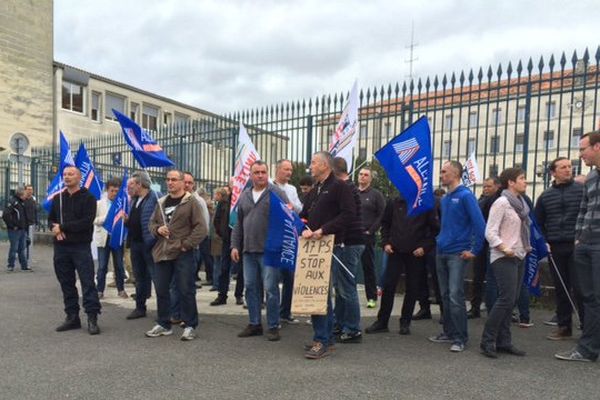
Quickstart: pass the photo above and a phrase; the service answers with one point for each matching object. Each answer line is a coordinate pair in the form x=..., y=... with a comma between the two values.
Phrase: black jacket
x=78, y=213
x=556, y=211
x=372, y=207
x=15, y=215
x=405, y=233
x=330, y=206
x=31, y=211
x=355, y=232
x=221, y=221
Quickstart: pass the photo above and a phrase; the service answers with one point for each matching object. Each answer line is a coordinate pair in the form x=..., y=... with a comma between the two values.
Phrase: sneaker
x=159, y=331
x=552, y=321
x=511, y=350
x=371, y=303
x=123, y=294
x=93, y=328
x=273, y=335
x=562, y=333
x=26, y=269
x=525, y=324
x=317, y=351
x=422, y=314
x=9, y=269
x=188, y=334
x=355, y=337
x=290, y=320
x=377, y=327
x=488, y=351
x=457, y=347
x=441, y=338
x=251, y=330
x=572, y=355
x=330, y=347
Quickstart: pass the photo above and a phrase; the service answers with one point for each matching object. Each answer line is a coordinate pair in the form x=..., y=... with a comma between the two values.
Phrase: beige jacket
x=100, y=234
x=187, y=228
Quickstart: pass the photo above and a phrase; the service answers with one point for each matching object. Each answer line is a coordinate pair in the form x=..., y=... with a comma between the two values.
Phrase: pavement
x=121, y=363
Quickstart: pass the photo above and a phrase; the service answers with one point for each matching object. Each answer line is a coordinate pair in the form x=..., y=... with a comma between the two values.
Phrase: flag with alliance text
x=285, y=226
x=89, y=178
x=115, y=218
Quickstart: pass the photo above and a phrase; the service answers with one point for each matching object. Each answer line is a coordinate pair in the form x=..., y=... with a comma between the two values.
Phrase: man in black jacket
x=406, y=240
x=556, y=213
x=328, y=209
x=72, y=222
x=15, y=217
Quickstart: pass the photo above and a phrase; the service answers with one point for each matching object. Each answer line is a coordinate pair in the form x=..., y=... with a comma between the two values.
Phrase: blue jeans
x=183, y=271
x=18, y=245
x=216, y=271
x=69, y=259
x=347, y=306
x=491, y=287
x=451, y=271
x=323, y=325
x=103, y=255
x=287, y=279
x=143, y=270
x=254, y=272
x=587, y=267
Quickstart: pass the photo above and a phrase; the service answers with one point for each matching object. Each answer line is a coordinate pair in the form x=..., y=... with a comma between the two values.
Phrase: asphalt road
x=38, y=363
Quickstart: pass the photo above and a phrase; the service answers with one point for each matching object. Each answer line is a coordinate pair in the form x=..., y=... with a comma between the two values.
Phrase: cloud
x=226, y=56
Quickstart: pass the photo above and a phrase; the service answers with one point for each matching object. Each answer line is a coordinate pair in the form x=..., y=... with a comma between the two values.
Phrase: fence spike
x=499, y=71
x=461, y=78
x=574, y=58
x=551, y=62
x=509, y=69
x=471, y=76
x=586, y=56
x=480, y=74
x=489, y=73
x=530, y=66
x=541, y=64
x=597, y=55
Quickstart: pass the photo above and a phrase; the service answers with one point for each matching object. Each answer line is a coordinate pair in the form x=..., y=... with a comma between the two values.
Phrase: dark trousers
x=287, y=280
x=587, y=261
x=143, y=271
x=412, y=267
x=206, y=258
x=239, y=280
x=562, y=254
x=68, y=259
x=224, y=276
x=368, y=267
x=430, y=260
x=508, y=272
x=479, y=271
x=183, y=272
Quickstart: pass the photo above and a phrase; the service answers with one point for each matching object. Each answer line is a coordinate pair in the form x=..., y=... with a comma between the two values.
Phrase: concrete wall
x=26, y=53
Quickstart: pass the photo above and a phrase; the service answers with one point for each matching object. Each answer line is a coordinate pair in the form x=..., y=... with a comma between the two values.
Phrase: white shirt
x=256, y=194
x=292, y=194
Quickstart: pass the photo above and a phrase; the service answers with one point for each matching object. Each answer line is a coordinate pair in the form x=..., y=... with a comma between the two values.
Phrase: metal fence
x=525, y=114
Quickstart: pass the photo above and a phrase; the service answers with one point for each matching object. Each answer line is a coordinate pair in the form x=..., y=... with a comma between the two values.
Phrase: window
x=149, y=117
x=521, y=114
x=134, y=111
x=576, y=136
x=72, y=96
x=549, y=139
x=166, y=118
x=473, y=118
x=470, y=146
x=448, y=121
x=182, y=119
x=519, y=143
x=446, y=148
x=95, y=111
x=116, y=102
x=493, y=170
x=550, y=109
x=497, y=116
x=495, y=144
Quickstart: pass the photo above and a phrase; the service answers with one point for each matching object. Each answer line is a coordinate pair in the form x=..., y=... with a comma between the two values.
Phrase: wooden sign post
x=312, y=277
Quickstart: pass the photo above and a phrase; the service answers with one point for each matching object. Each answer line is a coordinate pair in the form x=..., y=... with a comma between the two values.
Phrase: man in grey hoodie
x=248, y=243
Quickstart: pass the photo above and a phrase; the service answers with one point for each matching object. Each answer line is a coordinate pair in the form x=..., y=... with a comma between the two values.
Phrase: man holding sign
x=328, y=209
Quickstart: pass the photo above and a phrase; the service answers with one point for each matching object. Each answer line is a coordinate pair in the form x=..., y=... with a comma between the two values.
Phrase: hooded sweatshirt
x=463, y=226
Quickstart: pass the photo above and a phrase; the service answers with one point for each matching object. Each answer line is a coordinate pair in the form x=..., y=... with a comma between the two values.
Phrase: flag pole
x=60, y=191
x=562, y=282
x=162, y=212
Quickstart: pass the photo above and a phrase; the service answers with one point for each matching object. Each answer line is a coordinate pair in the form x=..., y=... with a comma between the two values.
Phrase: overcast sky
x=225, y=56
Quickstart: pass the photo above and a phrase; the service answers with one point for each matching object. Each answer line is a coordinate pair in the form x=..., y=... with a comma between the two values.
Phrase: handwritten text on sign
x=313, y=272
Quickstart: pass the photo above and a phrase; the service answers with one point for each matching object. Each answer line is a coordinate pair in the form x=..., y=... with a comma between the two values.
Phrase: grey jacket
x=587, y=229
x=250, y=231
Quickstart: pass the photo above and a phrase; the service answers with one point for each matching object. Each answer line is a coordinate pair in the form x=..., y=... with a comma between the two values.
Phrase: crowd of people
x=170, y=236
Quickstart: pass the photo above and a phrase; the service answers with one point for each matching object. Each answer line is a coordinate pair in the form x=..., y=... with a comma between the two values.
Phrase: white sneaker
x=188, y=334
x=457, y=347
x=158, y=331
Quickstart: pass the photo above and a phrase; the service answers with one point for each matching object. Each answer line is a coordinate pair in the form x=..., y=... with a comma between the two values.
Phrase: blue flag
x=408, y=162
x=539, y=251
x=145, y=149
x=285, y=226
x=115, y=218
x=89, y=179
x=57, y=185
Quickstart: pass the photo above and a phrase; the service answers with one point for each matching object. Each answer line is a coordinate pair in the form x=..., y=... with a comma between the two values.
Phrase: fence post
x=526, y=127
x=309, y=138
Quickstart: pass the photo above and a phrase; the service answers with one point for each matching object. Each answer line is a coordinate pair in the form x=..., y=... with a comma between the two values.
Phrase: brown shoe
x=251, y=330
x=317, y=352
x=562, y=333
x=273, y=335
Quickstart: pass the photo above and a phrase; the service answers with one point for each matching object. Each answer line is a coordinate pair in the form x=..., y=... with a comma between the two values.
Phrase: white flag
x=470, y=174
x=245, y=156
x=345, y=135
